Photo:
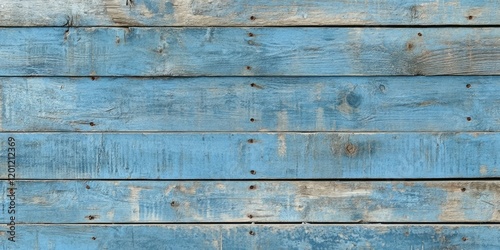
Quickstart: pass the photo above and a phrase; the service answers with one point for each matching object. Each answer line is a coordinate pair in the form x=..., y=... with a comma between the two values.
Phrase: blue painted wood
x=248, y=51
x=251, y=104
x=254, y=201
x=264, y=237
x=240, y=12
x=269, y=155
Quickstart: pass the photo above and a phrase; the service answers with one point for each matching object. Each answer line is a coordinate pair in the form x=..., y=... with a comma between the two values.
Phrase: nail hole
x=252, y=120
x=250, y=34
x=93, y=78
x=253, y=85
x=252, y=18
x=350, y=149
x=92, y=124
x=251, y=233
x=249, y=68
x=463, y=189
x=174, y=204
x=94, y=238
x=87, y=187
x=253, y=172
x=419, y=34
x=251, y=141
x=250, y=216
x=252, y=187
x=91, y=217
x=469, y=119
x=464, y=239
x=470, y=17
x=468, y=86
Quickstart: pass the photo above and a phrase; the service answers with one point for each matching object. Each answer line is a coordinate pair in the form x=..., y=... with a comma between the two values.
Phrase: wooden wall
x=216, y=124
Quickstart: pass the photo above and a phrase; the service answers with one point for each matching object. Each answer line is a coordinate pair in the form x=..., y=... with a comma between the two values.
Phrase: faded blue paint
x=271, y=155
x=238, y=12
x=189, y=237
x=225, y=129
x=228, y=104
x=232, y=52
x=265, y=201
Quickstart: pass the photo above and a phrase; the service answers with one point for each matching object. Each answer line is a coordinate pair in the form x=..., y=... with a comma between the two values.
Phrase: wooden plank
x=248, y=51
x=269, y=155
x=263, y=237
x=251, y=104
x=248, y=12
x=258, y=201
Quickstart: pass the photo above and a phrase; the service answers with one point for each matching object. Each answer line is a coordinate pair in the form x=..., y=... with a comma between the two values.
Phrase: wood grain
x=188, y=237
x=248, y=51
x=269, y=155
x=257, y=201
x=251, y=104
x=247, y=12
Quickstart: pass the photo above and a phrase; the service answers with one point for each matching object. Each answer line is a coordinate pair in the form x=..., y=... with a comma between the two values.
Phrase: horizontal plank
x=269, y=155
x=248, y=12
x=257, y=201
x=249, y=51
x=263, y=237
x=251, y=104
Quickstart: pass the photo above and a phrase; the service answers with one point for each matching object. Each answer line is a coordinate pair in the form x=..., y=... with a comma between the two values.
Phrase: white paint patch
x=483, y=170
x=380, y=214
x=281, y=145
x=134, y=203
x=282, y=121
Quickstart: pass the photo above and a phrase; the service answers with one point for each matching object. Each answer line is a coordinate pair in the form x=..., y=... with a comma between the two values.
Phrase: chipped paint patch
x=133, y=199
x=281, y=145
x=39, y=200
x=282, y=120
x=320, y=125
x=110, y=215
x=209, y=35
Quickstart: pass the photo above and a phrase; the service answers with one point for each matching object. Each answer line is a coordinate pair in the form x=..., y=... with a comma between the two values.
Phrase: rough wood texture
x=251, y=104
x=270, y=155
x=260, y=201
x=294, y=140
x=248, y=51
x=190, y=237
x=247, y=12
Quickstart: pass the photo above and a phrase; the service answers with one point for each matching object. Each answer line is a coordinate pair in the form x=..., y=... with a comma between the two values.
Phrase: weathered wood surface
x=249, y=51
x=263, y=237
x=247, y=12
x=269, y=155
x=259, y=201
x=251, y=104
